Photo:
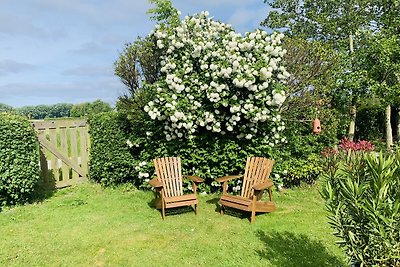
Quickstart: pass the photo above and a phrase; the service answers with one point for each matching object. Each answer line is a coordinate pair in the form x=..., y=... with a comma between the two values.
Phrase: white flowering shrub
x=215, y=80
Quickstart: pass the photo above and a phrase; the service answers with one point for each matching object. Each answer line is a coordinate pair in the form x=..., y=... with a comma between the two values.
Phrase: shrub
x=362, y=197
x=299, y=160
x=202, y=155
x=213, y=79
x=217, y=100
x=110, y=160
x=19, y=159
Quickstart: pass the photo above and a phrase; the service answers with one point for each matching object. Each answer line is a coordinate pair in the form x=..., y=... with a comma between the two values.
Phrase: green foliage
x=362, y=197
x=164, y=12
x=137, y=64
x=381, y=60
x=313, y=66
x=331, y=21
x=110, y=161
x=19, y=158
x=45, y=111
x=123, y=151
x=299, y=160
x=90, y=108
x=5, y=108
x=370, y=123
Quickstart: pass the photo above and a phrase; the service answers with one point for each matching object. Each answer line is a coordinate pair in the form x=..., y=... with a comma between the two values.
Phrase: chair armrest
x=264, y=185
x=229, y=177
x=195, y=179
x=155, y=182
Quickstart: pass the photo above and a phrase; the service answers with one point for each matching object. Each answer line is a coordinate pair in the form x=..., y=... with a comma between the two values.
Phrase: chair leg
x=253, y=216
x=270, y=194
x=196, y=208
x=163, y=210
x=253, y=210
x=222, y=209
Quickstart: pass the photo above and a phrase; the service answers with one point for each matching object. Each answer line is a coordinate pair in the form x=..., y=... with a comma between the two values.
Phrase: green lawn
x=87, y=225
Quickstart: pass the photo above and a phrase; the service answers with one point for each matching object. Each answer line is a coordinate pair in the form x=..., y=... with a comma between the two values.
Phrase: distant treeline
x=59, y=110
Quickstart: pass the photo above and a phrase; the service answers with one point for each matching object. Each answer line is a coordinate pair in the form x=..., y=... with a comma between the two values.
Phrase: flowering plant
x=362, y=145
x=215, y=80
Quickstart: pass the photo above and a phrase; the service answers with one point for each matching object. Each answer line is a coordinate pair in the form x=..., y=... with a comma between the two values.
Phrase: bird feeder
x=316, y=126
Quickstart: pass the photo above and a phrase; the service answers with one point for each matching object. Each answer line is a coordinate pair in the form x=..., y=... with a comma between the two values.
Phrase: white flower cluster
x=141, y=175
x=219, y=81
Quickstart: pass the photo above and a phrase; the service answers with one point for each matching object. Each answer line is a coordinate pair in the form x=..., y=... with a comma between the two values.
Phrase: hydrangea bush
x=215, y=80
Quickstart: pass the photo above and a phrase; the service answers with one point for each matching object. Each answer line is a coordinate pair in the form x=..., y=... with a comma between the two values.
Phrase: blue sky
x=62, y=51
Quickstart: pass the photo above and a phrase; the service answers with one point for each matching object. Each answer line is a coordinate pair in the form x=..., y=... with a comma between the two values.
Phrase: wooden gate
x=63, y=151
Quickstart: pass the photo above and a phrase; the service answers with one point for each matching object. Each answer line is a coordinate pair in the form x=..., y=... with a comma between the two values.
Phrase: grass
x=87, y=225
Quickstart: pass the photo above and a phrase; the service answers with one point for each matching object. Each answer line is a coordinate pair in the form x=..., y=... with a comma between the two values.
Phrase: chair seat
x=178, y=201
x=245, y=204
x=180, y=198
x=237, y=202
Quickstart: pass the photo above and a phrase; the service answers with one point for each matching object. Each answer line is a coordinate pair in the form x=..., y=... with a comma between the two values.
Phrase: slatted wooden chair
x=169, y=185
x=255, y=181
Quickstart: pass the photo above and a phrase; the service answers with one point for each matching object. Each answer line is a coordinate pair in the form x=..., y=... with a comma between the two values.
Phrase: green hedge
x=110, y=160
x=19, y=159
x=123, y=151
x=113, y=160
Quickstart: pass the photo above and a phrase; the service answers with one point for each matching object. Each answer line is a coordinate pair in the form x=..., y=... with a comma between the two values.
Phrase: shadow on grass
x=214, y=201
x=232, y=211
x=42, y=192
x=171, y=211
x=287, y=249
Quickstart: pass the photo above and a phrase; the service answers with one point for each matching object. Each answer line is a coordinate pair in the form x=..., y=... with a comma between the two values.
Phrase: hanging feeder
x=316, y=126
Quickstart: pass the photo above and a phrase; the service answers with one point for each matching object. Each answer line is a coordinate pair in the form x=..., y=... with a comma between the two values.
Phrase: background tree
x=381, y=60
x=5, y=108
x=90, y=108
x=61, y=110
x=331, y=21
x=139, y=62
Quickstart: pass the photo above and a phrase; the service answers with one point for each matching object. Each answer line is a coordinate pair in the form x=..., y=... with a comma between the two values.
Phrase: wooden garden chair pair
x=255, y=180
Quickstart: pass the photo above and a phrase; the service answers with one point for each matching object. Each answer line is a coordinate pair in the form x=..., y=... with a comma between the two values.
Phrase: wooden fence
x=64, y=148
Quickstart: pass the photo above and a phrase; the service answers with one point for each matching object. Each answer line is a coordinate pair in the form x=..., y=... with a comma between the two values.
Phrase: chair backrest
x=257, y=171
x=168, y=170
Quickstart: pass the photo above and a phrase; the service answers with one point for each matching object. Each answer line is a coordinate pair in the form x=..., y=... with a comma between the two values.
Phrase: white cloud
x=11, y=66
x=88, y=48
x=14, y=25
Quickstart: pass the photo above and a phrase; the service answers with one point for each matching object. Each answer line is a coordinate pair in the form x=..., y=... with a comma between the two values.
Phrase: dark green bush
x=299, y=161
x=370, y=121
x=206, y=155
x=110, y=160
x=122, y=151
x=363, y=198
x=203, y=156
x=19, y=159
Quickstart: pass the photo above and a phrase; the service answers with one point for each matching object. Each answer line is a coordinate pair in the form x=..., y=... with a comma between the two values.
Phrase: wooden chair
x=255, y=181
x=169, y=185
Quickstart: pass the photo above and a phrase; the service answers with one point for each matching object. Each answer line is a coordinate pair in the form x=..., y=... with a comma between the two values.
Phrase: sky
x=63, y=51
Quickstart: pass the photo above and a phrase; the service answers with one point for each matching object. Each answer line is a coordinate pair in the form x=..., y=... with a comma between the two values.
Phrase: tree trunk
x=389, y=136
x=352, y=127
x=353, y=108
